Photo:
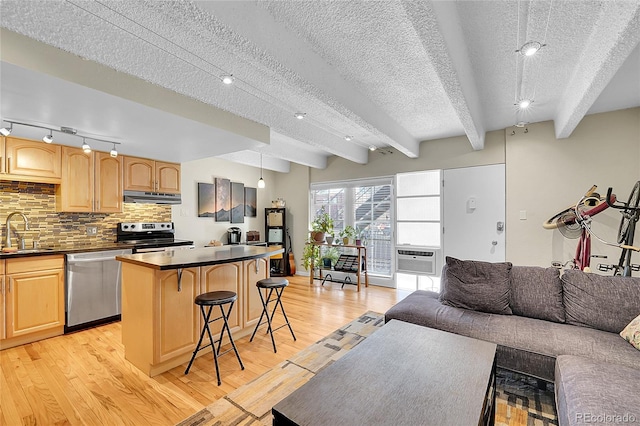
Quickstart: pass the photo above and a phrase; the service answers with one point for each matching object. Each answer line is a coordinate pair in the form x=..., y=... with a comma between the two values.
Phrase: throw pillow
x=602, y=302
x=536, y=292
x=631, y=332
x=475, y=285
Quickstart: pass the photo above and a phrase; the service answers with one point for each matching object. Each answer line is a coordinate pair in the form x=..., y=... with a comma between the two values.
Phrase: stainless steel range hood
x=151, y=197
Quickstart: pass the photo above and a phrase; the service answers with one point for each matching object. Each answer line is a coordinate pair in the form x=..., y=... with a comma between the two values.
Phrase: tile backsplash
x=38, y=202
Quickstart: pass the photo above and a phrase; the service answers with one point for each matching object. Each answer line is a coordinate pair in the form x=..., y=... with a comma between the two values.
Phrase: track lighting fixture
x=48, y=138
x=261, y=183
x=524, y=103
x=530, y=48
x=348, y=138
x=300, y=115
x=85, y=146
x=228, y=79
x=7, y=131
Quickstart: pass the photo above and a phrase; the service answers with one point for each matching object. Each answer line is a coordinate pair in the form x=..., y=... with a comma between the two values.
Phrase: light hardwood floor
x=83, y=378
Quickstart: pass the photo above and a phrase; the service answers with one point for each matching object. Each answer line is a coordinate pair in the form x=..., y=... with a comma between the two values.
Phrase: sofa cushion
x=631, y=332
x=475, y=285
x=536, y=292
x=605, y=303
x=592, y=392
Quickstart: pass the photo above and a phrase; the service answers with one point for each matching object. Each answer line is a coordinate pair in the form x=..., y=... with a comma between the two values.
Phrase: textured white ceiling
x=388, y=73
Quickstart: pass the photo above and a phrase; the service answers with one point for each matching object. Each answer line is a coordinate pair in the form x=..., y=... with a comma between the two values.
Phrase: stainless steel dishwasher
x=93, y=288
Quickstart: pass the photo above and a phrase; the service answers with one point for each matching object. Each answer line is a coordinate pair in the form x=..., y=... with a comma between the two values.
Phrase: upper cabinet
x=90, y=182
x=141, y=174
x=28, y=160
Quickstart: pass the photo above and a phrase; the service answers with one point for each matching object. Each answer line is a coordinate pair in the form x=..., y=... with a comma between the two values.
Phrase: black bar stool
x=277, y=285
x=211, y=299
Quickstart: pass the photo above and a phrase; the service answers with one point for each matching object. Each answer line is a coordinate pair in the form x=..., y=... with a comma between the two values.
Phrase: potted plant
x=310, y=255
x=322, y=224
x=330, y=257
x=347, y=234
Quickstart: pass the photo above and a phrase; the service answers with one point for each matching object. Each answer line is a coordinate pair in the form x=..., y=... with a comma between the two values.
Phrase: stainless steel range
x=150, y=236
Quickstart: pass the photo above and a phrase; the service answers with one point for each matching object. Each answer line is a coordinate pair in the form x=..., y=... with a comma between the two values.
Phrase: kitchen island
x=161, y=323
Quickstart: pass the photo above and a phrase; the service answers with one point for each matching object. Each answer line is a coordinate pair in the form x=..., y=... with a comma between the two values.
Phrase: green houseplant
x=347, y=234
x=322, y=224
x=330, y=256
x=310, y=255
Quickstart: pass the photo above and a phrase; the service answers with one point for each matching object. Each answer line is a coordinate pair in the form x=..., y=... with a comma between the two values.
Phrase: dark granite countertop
x=177, y=259
x=64, y=249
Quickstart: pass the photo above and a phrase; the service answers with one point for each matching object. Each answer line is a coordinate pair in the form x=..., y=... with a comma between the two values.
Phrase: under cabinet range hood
x=151, y=197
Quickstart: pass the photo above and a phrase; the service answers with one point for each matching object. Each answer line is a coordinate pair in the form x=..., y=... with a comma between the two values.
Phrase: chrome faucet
x=26, y=227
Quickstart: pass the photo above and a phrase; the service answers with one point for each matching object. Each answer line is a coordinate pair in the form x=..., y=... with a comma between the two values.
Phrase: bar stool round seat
x=216, y=298
x=272, y=284
x=212, y=299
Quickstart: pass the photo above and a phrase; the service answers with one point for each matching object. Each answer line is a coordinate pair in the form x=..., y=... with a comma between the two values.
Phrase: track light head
x=7, y=131
x=85, y=147
x=300, y=115
x=227, y=79
x=48, y=138
x=113, y=152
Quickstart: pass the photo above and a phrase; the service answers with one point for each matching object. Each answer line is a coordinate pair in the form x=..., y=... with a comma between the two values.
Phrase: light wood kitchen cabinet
x=3, y=330
x=252, y=305
x=33, y=299
x=90, y=182
x=31, y=161
x=224, y=277
x=141, y=174
x=178, y=324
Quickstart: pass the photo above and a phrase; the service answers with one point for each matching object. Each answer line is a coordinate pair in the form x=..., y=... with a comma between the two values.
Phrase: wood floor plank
x=84, y=378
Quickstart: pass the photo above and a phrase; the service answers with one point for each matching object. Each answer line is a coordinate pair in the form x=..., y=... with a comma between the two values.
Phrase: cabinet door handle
x=8, y=165
x=1, y=164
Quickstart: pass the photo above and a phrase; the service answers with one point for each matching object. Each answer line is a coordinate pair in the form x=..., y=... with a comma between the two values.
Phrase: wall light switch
x=523, y=215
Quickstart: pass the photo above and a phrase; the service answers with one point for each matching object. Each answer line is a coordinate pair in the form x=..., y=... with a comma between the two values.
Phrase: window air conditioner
x=416, y=261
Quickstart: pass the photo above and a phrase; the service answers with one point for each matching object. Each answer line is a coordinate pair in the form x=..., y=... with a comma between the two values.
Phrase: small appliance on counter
x=253, y=236
x=234, y=234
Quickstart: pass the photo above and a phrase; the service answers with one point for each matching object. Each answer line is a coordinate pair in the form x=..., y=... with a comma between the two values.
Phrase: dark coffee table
x=403, y=374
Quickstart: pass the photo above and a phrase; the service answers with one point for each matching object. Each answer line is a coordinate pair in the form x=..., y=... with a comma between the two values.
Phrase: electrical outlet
x=92, y=230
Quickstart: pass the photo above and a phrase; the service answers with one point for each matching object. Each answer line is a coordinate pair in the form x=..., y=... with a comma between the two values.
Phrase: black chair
x=277, y=285
x=211, y=299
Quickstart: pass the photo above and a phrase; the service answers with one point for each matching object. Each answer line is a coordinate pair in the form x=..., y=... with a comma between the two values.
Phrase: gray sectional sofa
x=562, y=329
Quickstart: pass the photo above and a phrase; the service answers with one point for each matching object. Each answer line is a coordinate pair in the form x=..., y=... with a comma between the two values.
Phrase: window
x=418, y=208
x=367, y=206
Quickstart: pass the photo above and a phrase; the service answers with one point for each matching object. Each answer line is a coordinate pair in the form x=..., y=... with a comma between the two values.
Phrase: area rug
x=520, y=400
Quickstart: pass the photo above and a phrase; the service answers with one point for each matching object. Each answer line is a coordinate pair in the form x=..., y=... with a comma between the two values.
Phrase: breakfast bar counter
x=161, y=323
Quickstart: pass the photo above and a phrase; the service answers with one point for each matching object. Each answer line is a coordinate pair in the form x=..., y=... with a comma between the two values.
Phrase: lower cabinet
x=177, y=326
x=227, y=276
x=254, y=270
x=161, y=323
x=32, y=300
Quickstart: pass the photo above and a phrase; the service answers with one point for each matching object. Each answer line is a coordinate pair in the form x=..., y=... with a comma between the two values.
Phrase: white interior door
x=473, y=209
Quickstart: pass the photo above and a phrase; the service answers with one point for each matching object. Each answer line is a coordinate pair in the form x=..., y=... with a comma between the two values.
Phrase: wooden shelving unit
x=347, y=263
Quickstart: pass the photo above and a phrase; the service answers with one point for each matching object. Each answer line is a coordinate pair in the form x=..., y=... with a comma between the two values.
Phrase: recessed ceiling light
x=530, y=48
x=300, y=115
x=372, y=148
x=227, y=79
x=521, y=123
x=348, y=138
x=524, y=103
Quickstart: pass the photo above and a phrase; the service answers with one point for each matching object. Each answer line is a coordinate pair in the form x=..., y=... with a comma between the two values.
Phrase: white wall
x=204, y=229
x=546, y=175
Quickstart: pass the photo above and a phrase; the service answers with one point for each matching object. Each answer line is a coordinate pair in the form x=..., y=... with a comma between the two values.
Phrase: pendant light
x=261, y=183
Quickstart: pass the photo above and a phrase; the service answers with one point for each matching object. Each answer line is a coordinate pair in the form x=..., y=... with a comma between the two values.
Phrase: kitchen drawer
x=35, y=263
